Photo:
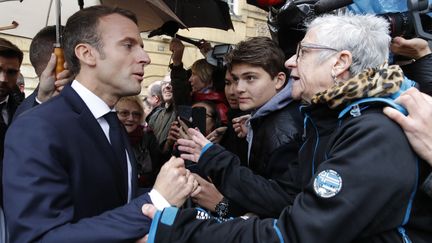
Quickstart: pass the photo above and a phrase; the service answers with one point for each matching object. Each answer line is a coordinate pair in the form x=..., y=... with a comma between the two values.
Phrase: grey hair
x=365, y=36
x=155, y=89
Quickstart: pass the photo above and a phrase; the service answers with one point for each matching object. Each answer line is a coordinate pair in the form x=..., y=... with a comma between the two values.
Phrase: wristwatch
x=222, y=208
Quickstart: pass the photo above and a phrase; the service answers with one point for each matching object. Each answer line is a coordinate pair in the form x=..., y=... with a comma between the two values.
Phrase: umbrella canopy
x=33, y=15
x=202, y=13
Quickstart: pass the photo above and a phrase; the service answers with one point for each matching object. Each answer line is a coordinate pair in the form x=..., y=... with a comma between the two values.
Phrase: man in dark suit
x=64, y=179
x=10, y=96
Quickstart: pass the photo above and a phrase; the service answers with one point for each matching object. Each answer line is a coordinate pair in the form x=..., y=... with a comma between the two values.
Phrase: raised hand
x=192, y=147
x=413, y=48
x=216, y=135
x=177, y=49
x=49, y=84
x=239, y=125
x=174, y=182
x=416, y=125
x=206, y=194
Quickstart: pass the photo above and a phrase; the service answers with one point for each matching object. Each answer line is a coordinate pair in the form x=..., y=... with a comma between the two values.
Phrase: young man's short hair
x=258, y=51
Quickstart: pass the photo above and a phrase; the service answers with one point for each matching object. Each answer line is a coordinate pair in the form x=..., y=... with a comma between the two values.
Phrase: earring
x=334, y=78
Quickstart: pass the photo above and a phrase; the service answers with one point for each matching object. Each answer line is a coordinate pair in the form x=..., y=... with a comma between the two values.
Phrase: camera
x=216, y=56
x=416, y=22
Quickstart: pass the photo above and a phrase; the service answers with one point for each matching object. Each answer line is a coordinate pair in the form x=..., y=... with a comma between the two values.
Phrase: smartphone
x=185, y=112
x=199, y=118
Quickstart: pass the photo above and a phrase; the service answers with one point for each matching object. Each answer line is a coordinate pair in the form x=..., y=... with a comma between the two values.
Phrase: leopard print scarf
x=381, y=81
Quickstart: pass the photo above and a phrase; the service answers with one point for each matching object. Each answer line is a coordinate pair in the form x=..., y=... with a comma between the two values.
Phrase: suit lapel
x=91, y=126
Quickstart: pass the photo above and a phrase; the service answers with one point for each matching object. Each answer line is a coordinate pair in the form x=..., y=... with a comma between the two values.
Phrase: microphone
x=324, y=6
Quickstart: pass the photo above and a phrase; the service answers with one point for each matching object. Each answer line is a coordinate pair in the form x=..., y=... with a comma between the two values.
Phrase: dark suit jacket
x=27, y=104
x=61, y=181
x=11, y=106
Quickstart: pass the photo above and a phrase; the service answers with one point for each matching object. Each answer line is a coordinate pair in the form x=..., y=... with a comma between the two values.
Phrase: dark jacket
x=160, y=122
x=181, y=86
x=148, y=155
x=421, y=72
x=275, y=124
x=62, y=181
x=247, y=191
x=15, y=99
x=360, y=179
x=378, y=180
x=231, y=141
x=272, y=175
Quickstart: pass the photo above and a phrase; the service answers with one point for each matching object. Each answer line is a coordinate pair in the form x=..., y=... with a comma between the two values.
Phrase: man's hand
x=413, y=48
x=177, y=49
x=192, y=148
x=239, y=125
x=174, y=182
x=173, y=134
x=49, y=84
x=205, y=47
x=148, y=210
x=206, y=195
x=217, y=134
x=417, y=125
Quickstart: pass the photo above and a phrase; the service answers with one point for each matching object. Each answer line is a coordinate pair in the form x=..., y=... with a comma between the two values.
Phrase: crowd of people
x=332, y=144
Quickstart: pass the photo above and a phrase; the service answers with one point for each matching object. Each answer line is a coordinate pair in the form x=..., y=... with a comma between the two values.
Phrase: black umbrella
x=202, y=13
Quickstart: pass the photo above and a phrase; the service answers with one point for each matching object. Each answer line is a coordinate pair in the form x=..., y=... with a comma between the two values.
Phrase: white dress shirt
x=99, y=108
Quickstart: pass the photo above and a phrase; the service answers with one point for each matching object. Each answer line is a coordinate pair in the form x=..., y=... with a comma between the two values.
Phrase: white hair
x=365, y=36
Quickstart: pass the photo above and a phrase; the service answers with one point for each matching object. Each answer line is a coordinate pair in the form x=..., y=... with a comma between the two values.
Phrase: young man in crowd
x=274, y=136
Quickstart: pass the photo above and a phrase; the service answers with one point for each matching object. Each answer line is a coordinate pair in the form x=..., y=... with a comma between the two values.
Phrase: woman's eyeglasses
x=301, y=46
x=126, y=113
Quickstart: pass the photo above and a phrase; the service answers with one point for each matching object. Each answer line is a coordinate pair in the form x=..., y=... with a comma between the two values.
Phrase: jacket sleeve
x=364, y=207
x=421, y=72
x=39, y=206
x=243, y=188
x=181, y=85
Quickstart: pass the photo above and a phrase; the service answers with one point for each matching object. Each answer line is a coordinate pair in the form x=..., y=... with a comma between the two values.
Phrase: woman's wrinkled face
x=130, y=114
x=308, y=76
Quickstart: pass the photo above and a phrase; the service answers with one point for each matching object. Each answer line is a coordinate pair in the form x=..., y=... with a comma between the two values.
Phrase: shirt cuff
x=158, y=200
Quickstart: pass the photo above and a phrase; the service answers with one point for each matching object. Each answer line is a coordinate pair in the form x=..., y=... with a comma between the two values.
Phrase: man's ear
x=86, y=54
x=280, y=79
x=342, y=65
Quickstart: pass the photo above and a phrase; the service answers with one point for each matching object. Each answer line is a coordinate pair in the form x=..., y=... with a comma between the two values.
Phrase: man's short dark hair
x=258, y=51
x=82, y=26
x=9, y=50
x=41, y=48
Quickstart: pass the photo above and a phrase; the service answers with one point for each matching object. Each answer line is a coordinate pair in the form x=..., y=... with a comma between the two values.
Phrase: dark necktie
x=116, y=138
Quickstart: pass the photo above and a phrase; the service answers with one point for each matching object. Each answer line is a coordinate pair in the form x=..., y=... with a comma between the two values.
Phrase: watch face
x=222, y=208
